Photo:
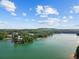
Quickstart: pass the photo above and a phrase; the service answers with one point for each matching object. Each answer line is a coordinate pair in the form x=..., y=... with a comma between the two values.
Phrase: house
x=17, y=38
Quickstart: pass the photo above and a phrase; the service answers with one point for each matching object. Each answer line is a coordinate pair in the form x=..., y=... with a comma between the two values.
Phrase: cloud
x=24, y=14
x=8, y=5
x=50, y=21
x=77, y=25
x=70, y=17
x=55, y=21
x=14, y=14
x=44, y=11
x=64, y=17
x=64, y=21
x=32, y=19
x=71, y=11
x=76, y=8
x=67, y=17
x=3, y=24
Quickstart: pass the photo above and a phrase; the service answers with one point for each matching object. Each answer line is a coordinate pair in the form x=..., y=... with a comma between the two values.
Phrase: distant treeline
x=28, y=35
x=25, y=35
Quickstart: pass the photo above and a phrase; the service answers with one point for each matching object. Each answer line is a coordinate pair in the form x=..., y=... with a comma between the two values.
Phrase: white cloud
x=50, y=21
x=46, y=10
x=71, y=11
x=70, y=17
x=67, y=17
x=43, y=15
x=24, y=14
x=76, y=8
x=32, y=19
x=64, y=17
x=8, y=5
x=14, y=14
x=55, y=21
x=3, y=24
x=65, y=20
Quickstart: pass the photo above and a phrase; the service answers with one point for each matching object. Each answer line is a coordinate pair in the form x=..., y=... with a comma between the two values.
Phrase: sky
x=31, y=14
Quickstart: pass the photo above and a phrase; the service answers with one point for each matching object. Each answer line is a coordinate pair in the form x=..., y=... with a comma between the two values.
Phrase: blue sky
x=23, y=14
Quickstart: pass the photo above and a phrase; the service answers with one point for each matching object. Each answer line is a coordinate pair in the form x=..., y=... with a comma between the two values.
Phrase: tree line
x=26, y=35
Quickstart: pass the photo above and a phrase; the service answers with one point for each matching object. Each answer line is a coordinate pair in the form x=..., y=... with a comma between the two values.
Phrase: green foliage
x=27, y=35
x=3, y=35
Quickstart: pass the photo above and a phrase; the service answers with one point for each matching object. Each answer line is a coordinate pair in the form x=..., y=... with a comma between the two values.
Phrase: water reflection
x=16, y=45
x=58, y=46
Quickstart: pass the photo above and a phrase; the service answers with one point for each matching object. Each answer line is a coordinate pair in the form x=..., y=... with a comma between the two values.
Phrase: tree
x=3, y=35
x=26, y=37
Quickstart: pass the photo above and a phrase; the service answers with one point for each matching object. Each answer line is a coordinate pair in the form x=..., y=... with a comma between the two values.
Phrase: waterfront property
x=28, y=35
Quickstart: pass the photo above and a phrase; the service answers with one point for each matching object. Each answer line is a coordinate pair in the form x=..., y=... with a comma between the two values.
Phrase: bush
x=3, y=35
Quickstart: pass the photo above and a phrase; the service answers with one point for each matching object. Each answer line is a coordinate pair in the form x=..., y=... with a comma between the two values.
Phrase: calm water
x=58, y=46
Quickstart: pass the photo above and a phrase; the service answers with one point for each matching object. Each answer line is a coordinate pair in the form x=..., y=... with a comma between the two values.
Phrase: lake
x=58, y=46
